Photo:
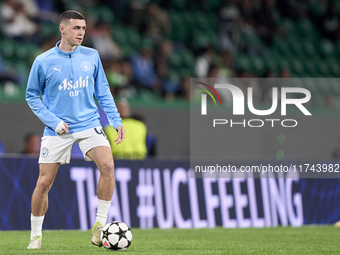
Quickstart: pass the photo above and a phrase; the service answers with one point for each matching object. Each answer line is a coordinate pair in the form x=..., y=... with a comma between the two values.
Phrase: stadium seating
x=196, y=26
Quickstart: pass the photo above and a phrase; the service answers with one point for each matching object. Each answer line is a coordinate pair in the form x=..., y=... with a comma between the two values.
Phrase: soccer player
x=69, y=76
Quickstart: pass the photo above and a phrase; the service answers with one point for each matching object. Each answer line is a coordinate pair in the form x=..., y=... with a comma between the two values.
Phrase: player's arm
x=35, y=85
x=105, y=99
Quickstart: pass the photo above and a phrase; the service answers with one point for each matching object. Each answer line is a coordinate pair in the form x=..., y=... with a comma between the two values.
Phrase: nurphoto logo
x=238, y=104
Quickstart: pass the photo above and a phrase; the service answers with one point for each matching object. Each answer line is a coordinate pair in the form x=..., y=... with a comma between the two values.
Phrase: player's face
x=73, y=31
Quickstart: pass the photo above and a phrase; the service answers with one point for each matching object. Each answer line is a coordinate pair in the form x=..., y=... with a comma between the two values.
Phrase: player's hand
x=121, y=135
x=62, y=128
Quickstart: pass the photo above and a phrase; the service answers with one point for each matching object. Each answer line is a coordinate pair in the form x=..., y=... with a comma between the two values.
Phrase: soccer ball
x=116, y=235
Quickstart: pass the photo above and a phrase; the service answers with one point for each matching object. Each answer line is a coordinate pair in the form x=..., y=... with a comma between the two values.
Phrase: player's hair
x=71, y=14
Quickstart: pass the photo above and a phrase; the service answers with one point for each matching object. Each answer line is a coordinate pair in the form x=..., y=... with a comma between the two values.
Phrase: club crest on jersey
x=44, y=152
x=85, y=66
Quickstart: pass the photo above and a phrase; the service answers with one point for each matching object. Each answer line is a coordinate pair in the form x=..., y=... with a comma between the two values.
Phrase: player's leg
x=47, y=174
x=96, y=147
x=55, y=150
x=102, y=156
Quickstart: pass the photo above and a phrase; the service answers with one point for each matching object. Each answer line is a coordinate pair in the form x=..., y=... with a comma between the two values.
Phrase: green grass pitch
x=280, y=240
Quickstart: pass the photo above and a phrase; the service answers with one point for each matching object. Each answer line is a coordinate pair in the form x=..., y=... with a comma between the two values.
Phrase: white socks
x=103, y=211
x=36, y=225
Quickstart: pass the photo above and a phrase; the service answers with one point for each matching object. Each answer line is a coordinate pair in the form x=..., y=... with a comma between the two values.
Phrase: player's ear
x=62, y=28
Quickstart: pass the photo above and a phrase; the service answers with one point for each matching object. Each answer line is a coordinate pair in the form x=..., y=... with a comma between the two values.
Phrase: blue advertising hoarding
x=155, y=193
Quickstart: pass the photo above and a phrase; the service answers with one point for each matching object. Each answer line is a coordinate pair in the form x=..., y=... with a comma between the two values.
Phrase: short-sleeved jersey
x=68, y=82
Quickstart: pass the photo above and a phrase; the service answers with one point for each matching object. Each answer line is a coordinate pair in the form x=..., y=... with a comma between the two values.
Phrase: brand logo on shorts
x=85, y=66
x=44, y=152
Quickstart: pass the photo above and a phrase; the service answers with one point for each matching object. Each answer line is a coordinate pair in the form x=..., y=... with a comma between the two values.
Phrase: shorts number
x=101, y=132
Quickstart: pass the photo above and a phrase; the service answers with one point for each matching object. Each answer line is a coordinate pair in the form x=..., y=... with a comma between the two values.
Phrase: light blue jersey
x=68, y=82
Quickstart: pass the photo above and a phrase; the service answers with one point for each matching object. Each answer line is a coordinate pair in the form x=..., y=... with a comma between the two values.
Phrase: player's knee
x=44, y=185
x=107, y=169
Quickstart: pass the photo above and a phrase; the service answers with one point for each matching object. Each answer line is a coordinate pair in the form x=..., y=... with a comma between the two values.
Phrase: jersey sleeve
x=103, y=94
x=35, y=85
